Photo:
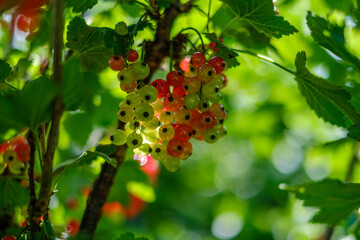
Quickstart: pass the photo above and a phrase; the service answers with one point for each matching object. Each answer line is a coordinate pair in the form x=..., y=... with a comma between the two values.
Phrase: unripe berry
x=166, y=117
x=211, y=135
x=152, y=124
x=119, y=137
x=144, y=112
x=134, y=140
x=182, y=116
x=125, y=114
x=191, y=101
x=206, y=73
x=134, y=124
x=17, y=167
x=133, y=99
x=166, y=132
x=172, y=164
x=192, y=84
x=128, y=87
x=125, y=76
x=117, y=63
x=140, y=70
x=159, y=152
x=148, y=94
x=121, y=28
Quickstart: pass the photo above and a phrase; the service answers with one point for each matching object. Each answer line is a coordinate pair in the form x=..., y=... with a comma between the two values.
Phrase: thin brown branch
x=41, y=205
x=99, y=193
x=33, y=222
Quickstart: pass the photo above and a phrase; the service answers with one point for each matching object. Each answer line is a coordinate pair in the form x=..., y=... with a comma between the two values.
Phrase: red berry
x=173, y=102
x=162, y=86
x=117, y=63
x=194, y=116
x=175, y=78
x=213, y=45
x=73, y=227
x=188, y=148
x=185, y=64
x=183, y=132
x=197, y=59
x=180, y=90
x=3, y=146
x=175, y=147
x=207, y=120
x=133, y=55
x=23, y=23
x=9, y=238
x=225, y=82
x=218, y=63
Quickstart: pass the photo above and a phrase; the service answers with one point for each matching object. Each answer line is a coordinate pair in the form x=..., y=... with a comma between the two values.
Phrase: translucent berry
x=134, y=140
x=148, y=94
x=134, y=124
x=152, y=124
x=117, y=63
x=119, y=137
x=121, y=28
x=188, y=149
x=204, y=105
x=9, y=237
x=126, y=114
x=214, y=98
x=219, y=80
x=218, y=63
x=210, y=89
x=183, y=132
x=10, y=156
x=125, y=76
x=225, y=80
x=213, y=45
x=182, y=116
x=144, y=112
x=192, y=84
x=191, y=101
x=173, y=102
x=162, y=86
x=144, y=149
x=166, y=117
x=221, y=129
x=206, y=73
x=185, y=64
x=172, y=164
x=159, y=152
x=175, y=147
x=194, y=116
x=175, y=78
x=207, y=120
x=22, y=148
x=140, y=70
x=133, y=99
x=150, y=135
x=211, y=135
x=198, y=59
x=133, y=55
x=128, y=87
x=158, y=106
x=218, y=110
x=17, y=167
x=180, y=90
x=166, y=132
x=197, y=131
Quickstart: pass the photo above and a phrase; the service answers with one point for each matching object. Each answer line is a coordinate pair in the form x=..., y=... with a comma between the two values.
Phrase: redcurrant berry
x=175, y=78
x=218, y=63
x=197, y=59
x=175, y=147
x=133, y=55
x=173, y=102
x=162, y=86
x=117, y=63
x=207, y=120
x=183, y=132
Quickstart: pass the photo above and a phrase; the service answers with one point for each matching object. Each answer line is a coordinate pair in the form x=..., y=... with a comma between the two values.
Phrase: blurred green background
x=230, y=189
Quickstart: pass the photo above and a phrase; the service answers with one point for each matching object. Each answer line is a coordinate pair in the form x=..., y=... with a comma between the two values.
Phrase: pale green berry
x=119, y=137
x=134, y=140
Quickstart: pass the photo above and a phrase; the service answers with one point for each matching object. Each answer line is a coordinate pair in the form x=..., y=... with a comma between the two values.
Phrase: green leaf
x=130, y=236
x=336, y=200
x=19, y=70
x=330, y=37
x=79, y=126
x=34, y=103
x=5, y=70
x=119, y=44
x=48, y=230
x=13, y=195
x=261, y=15
x=330, y=102
x=89, y=43
x=354, y=132
x=224, y=52
x=80, y=5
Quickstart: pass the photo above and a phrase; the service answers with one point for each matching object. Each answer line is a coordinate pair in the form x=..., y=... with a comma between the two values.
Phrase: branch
x=99, y=193
x=41, y=205
x=158, y=50
x=33, y=222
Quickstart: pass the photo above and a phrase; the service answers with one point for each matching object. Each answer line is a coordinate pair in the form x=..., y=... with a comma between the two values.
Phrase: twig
x=33, y=224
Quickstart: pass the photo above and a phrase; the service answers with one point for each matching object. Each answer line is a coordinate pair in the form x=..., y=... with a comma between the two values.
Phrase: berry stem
x=198, y=33
x=266, y=59
x=142, y=51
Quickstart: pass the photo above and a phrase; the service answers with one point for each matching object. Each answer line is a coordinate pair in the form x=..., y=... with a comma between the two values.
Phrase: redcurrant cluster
x=161, y=118
x=14, y=155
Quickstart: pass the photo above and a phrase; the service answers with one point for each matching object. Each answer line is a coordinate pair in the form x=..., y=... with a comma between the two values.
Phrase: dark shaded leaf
x=5, y=70
x=330, y=37
x=330, y=102
x=335, y=199
x=80, y=5
x=261, y=14
x=13, y=194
